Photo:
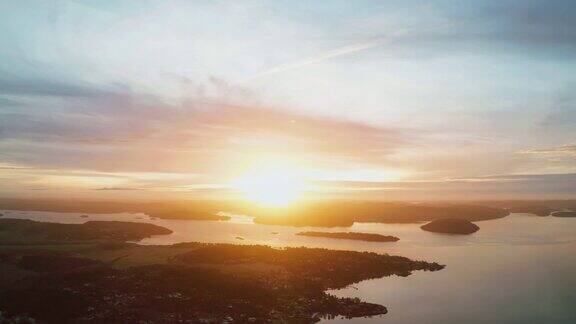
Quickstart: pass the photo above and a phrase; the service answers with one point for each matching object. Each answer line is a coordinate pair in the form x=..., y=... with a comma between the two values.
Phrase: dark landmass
x=538, y=210
x=329, y=269
x=117, y=282
x=193, y=210
x=22, y=231
x=451, y=226
x=369, y=237
x=536, y=207
x=345, y=213
x=564, y=214
x=326, y=213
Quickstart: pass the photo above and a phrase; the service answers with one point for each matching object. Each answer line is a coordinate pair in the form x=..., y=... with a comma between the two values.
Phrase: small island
x=451, y=226
x=564, y=214
x=368, y=237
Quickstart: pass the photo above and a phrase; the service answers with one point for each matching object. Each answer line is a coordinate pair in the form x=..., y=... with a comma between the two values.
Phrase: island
x=368, y=237
x=451, y=226
x=105, y=280
x=564, y=214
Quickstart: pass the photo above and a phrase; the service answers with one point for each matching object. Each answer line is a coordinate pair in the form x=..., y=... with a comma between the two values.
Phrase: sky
x=375, y=99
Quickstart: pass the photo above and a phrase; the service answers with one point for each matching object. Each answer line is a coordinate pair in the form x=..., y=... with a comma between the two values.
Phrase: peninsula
x=96, y=278
x=564, y=214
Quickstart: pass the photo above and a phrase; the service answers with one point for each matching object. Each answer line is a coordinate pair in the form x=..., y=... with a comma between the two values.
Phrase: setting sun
x=275, y=185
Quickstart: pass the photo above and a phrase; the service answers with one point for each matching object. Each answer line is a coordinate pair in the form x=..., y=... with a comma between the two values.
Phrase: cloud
x=45, y=87
x=341, y=51
x=540, y=186
x=533, y=22
x=130, y=132
x=533, y=28
x=565, y=150
x=118, y=188
x=562, y=115
x=123, y=90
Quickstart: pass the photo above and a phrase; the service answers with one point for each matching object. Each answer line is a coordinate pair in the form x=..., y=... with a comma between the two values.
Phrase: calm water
x=519, y=269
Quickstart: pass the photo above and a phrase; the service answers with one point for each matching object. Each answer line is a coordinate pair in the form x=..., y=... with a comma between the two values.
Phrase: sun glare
x=273, y=185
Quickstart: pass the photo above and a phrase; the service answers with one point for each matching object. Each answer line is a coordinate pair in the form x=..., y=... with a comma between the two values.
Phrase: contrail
x=354, y=48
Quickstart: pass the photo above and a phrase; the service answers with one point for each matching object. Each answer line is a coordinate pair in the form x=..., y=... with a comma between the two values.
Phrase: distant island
x=369, y=237
x=451, y=226
x=109, y=281
x=564, y=214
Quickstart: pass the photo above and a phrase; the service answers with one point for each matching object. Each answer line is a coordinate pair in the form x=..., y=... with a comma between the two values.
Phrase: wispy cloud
x=17, y=86
x=334, y=53
x=565, y=150
x=119, y=132
x=499, y=187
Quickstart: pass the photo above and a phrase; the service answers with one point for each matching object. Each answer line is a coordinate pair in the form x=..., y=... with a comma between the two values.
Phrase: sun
x=271, y=185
